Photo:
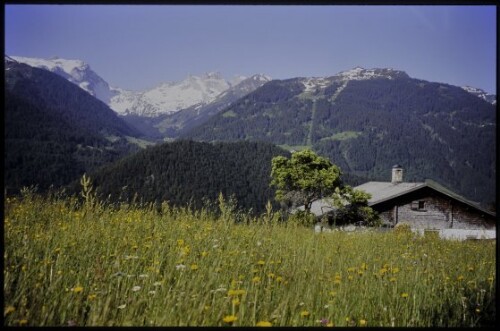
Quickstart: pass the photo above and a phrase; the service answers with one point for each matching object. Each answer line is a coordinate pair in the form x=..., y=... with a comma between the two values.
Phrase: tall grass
x=68, y=263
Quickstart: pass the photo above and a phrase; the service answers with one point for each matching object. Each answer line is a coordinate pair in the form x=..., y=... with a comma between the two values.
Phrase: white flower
x=136, y=288
x=143, y=276
x=180, y=267
x=259, y=243
x=152, y=292
x=157, y=284
x=122, y=306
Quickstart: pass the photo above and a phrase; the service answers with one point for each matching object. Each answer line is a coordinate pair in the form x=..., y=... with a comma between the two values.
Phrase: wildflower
x=261, y=262
x=235, y=292
x=395, y=270
x=236, y=302
x=156, y=284
x=362, y=322
x=180, y=267
x=256, y=279
x=136, y=288
x=460, y=278
x=279, y=279
x=478, y=310
x=23, y=322
x=77, y=289
x=304, y=313
x=204, y=253
x=180, y=242
x=323, y=321
x=230, y=319
x=264, y=323
x=143, y=276
x=122, y=306
x=404, y=295
x=91, y=296
x=194, y=267
x=8, y=310
x=392, y=279
x=152, y=292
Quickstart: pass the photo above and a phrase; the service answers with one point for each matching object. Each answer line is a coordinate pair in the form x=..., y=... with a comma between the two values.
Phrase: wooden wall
x=439, y=212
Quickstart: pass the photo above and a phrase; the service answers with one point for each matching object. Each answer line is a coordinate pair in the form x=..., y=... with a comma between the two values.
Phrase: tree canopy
x=304, y=178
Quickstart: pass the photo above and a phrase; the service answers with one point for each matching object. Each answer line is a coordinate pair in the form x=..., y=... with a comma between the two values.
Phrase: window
x=418, y=205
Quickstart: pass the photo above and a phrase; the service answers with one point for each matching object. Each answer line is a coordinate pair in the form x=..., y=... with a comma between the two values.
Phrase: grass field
x=84, y=264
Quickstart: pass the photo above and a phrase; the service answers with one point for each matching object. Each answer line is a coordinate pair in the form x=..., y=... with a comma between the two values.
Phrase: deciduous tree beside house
x=304, y=178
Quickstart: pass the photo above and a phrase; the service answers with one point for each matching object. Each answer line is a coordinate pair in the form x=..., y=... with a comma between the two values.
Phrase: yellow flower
x=236, y=302
x=279, y=279
x=393, y=279
x=23, y=322
x=8, y=310
x=204, y=253
x=256, y=279
x=261, y=262
x=235, y=292
x=362, y=322
x=304, y=313
x=194, y=267
x=77, y=289
x=404, y=295
x=230, y=319
x=180, y=242
x=460, y=278
x=264, y=323
x=92, y=296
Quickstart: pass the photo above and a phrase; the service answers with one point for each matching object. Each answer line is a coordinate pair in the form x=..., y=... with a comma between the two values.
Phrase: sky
x=137, y=47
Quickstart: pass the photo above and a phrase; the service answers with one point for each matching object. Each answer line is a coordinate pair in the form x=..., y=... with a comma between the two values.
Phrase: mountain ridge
x=365, y=121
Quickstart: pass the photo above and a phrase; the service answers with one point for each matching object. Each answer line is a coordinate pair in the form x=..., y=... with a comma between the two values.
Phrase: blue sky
x=137, y=47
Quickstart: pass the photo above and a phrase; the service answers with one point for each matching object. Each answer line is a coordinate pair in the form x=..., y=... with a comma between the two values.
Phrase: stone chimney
x=397, y=174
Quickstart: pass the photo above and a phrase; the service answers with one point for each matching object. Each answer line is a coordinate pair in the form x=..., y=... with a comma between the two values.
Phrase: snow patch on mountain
x=491, y=98
x=76, y=71
x=359, y=73
x=313, y=83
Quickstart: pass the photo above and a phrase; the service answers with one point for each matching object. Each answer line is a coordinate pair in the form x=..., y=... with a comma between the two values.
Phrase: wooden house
x=424, y=206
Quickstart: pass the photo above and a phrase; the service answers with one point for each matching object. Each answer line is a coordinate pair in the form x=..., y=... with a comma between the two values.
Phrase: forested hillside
x=187, y=172
x=365, y=126
x=55, y=131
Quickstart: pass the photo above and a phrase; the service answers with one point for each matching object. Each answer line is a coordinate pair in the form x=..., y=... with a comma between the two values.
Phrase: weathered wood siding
x=438, y=212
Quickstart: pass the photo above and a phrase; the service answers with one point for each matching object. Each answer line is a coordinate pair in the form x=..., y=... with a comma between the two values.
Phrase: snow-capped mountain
x=171, y=97
x=166, y=98
x=187, y=118
x=359, y=73
x=76, y=71
x=491, y=98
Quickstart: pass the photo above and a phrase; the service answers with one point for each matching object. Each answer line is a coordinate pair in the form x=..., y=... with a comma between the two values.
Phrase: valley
x=364, y=120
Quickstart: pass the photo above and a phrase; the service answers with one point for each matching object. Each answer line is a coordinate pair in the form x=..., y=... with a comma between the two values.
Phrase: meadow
x=69, y=262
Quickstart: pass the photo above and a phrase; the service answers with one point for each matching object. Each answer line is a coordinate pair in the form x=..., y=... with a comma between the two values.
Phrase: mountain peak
x=360, y=73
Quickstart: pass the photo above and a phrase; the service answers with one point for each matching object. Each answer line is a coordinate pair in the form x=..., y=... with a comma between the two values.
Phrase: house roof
x=385, y=191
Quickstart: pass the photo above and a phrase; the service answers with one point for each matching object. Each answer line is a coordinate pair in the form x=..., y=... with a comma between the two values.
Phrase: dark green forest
x=192, y=173
x=435, y=131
